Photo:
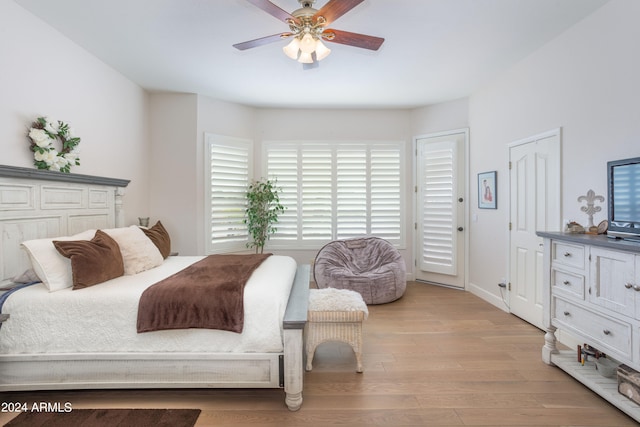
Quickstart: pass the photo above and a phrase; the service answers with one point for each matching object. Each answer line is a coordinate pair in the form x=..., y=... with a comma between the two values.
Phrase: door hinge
x=415, y=225
x=415, y=190
x=510, y=226
x=509, y=286
x=509, y=164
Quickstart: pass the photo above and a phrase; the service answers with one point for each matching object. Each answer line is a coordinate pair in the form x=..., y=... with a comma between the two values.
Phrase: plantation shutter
x=352, y=193
x=229, y=166
x=282, y=166
x=438, y=209
x=337, y=191
x=317, y=196
x=386, y=190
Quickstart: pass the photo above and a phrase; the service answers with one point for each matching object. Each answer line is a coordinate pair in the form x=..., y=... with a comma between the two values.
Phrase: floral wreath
x=44, y=132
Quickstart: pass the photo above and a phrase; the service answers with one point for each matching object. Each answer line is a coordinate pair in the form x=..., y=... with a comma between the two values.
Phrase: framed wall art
x=487, y=186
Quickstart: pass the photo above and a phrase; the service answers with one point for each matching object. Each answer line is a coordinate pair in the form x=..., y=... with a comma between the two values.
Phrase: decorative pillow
x=138, y=252
x=28, y=276
x=160, y=237
x=93, y=261
x=50, y=266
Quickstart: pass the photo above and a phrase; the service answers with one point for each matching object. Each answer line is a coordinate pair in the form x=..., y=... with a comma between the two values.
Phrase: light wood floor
x=436, y=357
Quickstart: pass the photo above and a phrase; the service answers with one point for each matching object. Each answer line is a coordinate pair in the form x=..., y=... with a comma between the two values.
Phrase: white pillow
x=27, y=276
x=52, y=268
x=138, y=251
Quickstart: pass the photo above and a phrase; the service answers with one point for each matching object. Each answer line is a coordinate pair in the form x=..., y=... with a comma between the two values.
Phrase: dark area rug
x=108, y=418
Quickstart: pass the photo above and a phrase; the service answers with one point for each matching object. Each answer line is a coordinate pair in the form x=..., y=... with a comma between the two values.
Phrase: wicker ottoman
x=335, y=315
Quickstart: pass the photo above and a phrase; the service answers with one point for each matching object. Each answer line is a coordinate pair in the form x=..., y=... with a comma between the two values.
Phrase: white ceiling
x=435, y=50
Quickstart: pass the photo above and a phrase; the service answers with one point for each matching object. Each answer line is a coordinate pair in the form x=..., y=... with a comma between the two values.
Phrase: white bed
x=36, y=349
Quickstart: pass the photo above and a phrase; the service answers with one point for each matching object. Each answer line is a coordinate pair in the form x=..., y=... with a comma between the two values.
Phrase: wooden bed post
x=295, y=318
x=119, y=207
x=293, y=368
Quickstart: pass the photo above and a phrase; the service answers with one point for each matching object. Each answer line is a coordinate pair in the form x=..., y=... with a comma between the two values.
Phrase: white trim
x=542, y=135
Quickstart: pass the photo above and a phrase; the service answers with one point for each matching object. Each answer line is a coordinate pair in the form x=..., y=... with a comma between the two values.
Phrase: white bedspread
x=102, y=318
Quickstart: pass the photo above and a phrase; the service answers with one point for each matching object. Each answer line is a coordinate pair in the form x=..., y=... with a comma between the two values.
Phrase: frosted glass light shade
x=307, y=44
x=305, y=58
x=291, y=50
x=321, y=51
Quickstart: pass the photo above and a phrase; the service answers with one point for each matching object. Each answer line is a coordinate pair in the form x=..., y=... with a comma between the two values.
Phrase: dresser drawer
x=566, y=283
x=567, y=254
x=605, y=334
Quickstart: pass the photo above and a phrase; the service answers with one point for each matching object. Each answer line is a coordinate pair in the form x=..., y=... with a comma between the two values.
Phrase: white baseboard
x=492, y=299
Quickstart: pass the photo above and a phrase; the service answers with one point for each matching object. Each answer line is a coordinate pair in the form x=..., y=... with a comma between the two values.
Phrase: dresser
x=592, y=292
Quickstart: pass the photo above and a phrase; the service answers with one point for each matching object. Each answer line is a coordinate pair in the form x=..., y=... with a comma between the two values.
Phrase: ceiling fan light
x=322, y=51
x=291, y=50
x=305, y=58
x=307, y=44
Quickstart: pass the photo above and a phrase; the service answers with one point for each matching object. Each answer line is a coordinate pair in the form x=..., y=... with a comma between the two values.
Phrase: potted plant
x=263, y=208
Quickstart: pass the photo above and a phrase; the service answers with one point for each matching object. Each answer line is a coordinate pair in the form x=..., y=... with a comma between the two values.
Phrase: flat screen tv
x=624, y=198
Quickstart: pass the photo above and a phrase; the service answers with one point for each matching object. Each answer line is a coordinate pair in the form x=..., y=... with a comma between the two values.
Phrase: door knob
x=460, y=229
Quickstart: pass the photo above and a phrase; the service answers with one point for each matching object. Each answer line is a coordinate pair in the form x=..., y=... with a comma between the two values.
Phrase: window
x=337, y=191
x=228, y=165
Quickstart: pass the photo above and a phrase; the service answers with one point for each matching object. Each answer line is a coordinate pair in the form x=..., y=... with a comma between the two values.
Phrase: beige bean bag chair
x=371, y=266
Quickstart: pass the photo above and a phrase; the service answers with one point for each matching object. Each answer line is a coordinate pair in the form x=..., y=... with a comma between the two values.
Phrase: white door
x=534, y=182
x=441, y=195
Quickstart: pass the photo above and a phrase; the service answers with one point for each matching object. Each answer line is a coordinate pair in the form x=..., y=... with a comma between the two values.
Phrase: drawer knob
x=636, y=287
x=606, y=332
x=566, y=282
x=566, y=313
x=628, y=285
x=567, y=254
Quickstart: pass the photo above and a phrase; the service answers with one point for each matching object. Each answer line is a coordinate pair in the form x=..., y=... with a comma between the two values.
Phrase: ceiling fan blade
x=354, y=39
x=334, y=9
x=261, y=41
x=273, y=10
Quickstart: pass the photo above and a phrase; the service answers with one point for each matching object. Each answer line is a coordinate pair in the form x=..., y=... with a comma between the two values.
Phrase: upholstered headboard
x=36, y=204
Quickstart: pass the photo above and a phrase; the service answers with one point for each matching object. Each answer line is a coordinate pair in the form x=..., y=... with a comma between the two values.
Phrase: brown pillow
x=92, y=261
x=159, y=236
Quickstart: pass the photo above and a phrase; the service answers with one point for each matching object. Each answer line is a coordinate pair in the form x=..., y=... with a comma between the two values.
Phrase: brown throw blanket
x=208, y=294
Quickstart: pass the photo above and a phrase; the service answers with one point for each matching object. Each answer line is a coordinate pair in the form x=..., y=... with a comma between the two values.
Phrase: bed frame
x=38, y=204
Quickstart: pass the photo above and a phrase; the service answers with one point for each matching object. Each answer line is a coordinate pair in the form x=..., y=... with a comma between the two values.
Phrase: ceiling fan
x=308, y=28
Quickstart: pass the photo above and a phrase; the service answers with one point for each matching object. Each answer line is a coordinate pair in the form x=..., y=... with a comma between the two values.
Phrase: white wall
x=44, y=73
x=440, y=117
x=172, y=168
x=586, y=82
